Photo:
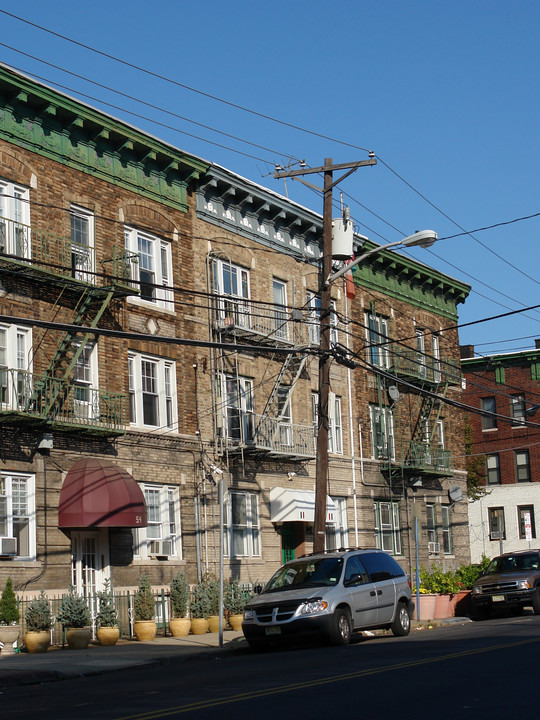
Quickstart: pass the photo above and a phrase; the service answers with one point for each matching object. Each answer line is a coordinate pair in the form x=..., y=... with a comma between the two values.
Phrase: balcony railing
x=60, y=403
x=274, y=437
x=415, y=365
x=262, y=321
x=431, y=459
x=61, y=257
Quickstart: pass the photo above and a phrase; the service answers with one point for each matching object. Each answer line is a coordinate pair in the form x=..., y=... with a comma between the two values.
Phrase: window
x=335, y=428
x=82, y=243
x=15, y=378
x=517, y=409
x=337, y=534
x=162, y=534
x=14, y=220
x=86, y=399
x=431, y=529
x=487, y=405
x=285, y=415
x=231, y=283
x=497, y=529
x=526, y=521
x=153, y=271
x=314, y=319
x=152, y=392
x=241, y=525
x=436, y=357
x=387, y=527
x=493, y=469
x=281, y=326
x=523, y=468
x=448, y=547
x=17, y=512
x=421, y=351
x=378, y=339
x=382, y=433
x=237, y=408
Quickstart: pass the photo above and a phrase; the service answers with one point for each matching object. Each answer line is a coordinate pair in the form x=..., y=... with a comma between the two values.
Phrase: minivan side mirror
x=257, y=589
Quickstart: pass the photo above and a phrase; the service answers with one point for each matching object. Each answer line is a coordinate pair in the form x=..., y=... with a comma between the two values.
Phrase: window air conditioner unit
x=434, y=547
x=160, y=548
x=8, y=546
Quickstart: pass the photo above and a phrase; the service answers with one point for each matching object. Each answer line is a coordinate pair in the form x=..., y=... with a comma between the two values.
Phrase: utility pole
x=325, y=269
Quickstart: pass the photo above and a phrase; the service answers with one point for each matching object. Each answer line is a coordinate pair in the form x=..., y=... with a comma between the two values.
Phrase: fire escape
x=63, y=272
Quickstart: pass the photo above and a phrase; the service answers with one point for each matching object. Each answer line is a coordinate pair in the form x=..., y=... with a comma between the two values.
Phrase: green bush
x=38, y=614
x=74, y=611
x=200, y=605
x=144, y=602
x=107, y=615
x=467, y=574
x=9, y=612
x=179, y=596
x=437, y=581
x=235, y=597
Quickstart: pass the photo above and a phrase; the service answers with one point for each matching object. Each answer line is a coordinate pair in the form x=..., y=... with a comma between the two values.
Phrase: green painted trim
x=59, y=128
x=523, y=357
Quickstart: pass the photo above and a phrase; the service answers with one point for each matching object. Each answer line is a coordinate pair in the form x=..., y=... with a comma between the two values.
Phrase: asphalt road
x=478, y=670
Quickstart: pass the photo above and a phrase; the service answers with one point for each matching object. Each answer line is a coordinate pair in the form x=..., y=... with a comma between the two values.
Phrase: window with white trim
x=153, y=271
x=15, y=236
x=314, y=319
x=378, y=339
x=337, y=535
x=382, y=433
x=237, y=408
x=517, y=409
x=15, y=377
x=82, y=243
x=242, y=534
x=431, y=528
x=17, y=514
x=387, y=527
x=335, y=427
x=493, y=469
x=446, y=530
x=152, y=392
x=85, y=382
x=231, y=283
x=161, y=537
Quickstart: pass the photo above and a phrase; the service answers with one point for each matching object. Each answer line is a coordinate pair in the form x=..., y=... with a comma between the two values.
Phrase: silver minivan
x=331, y=594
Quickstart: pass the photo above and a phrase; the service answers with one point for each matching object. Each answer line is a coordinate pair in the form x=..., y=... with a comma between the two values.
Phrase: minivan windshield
x=306, y=573
x=513, y=563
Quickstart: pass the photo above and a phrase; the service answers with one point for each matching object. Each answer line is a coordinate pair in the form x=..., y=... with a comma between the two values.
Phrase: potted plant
x=9, y=618
x=199, y=608
x=144, y=605
x=39, y=620
x=235, y=599
x=74, y=614
x=212, y=585
x=107, y=617
x=179, y=623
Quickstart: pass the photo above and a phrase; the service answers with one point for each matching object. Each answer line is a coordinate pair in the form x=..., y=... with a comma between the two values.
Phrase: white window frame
x=314, y=319
x=517, y=409
x=382, y=417
x=163, y=390
x=431, y=523
x=232, y=284
x=421, y=359
x=335, y=424
x=156, y=261
x=162, y=536
x=82, y=253
x=387, y=527
x=15, y=234
x=376, y=334
x=242, y=535
x=237, y=397
x=337, y=534
x=15, y=354
x=85, y=382
x=8, y=508
x=281, y=316
x=446, y=530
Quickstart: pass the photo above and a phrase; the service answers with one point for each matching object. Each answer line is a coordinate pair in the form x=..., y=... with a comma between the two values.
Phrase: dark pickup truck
x=511, y=581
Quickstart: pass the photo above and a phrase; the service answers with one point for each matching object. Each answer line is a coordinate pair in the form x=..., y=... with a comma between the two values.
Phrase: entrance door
x=89, y=560
x=288, y=542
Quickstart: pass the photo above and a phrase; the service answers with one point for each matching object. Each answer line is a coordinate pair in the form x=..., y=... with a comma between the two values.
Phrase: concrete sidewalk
x=61, y=663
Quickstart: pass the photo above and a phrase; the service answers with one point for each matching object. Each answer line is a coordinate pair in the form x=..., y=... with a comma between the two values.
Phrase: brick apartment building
x=203, y=373
x=505, y=388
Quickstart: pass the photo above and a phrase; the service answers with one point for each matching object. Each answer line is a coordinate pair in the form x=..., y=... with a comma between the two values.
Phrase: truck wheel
x=342, y=628
x=402, y=622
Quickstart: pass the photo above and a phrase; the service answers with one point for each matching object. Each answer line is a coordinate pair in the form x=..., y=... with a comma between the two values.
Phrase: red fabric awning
x=98, y=493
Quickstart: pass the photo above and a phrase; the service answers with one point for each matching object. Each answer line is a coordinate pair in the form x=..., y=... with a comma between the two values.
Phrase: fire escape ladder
x=290, y=370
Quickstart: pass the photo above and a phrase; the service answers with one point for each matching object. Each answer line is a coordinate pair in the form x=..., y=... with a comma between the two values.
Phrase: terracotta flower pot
x=78, y=638
x=108, y=635
x=145, y=630
x=199, y=626
x=442, y=606
x=426, y=607
x=179, y=627
x=37, y=641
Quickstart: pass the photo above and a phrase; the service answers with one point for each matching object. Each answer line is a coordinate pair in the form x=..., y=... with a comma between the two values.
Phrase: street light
x=423, y=238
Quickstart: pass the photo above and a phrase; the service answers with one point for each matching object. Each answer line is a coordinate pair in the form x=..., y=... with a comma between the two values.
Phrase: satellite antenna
x=455, y=493
x=393, y=392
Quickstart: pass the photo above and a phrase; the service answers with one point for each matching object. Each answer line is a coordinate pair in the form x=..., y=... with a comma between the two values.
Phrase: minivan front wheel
x=402, y=622
x=342, y=628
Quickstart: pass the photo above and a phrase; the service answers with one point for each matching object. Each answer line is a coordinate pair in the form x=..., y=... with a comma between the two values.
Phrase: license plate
x=273, y=631
x=497, y=598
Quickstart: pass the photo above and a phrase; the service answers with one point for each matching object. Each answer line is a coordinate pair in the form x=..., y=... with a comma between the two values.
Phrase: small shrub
x=74, y=611
x=107, y=615
x=235, y=597
x=199, y=603
x=179, y=596
x=467, y=574
x=213, y=593
x=38, y=614
x=144, y=602
x=9, y=612
x=436, y=581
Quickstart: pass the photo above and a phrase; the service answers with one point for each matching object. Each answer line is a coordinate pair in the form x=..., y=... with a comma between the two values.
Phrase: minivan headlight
x=315, y=606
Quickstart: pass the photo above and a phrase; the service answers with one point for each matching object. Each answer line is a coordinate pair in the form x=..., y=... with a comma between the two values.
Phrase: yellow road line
x=239, y=697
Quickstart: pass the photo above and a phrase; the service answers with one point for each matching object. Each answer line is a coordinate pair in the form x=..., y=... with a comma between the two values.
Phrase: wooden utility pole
x=325, y=269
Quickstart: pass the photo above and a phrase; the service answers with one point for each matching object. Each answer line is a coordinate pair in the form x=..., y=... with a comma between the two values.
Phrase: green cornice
x=405, y=279
x=39, y=119
x=523, y=357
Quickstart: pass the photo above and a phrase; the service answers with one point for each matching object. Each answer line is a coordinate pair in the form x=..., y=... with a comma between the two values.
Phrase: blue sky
x=444, y=93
